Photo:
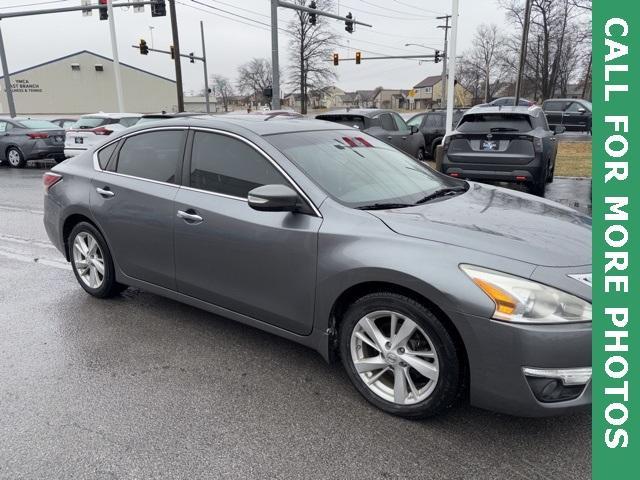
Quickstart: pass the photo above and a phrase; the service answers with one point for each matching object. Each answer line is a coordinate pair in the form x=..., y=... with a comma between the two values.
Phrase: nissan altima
x=429, y=289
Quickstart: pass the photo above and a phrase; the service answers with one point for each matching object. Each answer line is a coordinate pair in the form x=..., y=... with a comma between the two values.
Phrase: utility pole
x=586, y=78
x=116, y=60
x=7, y=79
x=523, y=50
x=275, y=63
x=204, y=63
x=176, y=49
x=446, y=27
x=452, y=66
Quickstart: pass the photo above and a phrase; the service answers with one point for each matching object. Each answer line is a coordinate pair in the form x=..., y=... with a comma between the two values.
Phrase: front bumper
x=498, y=352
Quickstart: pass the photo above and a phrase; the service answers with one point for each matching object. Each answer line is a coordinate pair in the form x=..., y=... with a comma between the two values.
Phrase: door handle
x=404, y=138
x=189, y=217
x=105, y=192
x=389, y=137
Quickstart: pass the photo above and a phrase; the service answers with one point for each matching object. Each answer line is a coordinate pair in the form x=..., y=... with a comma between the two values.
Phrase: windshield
x=486, y=122
x=42, y=124
x=358, y=170
x=90, y=122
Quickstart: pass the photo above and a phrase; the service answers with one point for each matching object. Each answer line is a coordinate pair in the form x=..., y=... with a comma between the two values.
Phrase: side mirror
x=559, y=129
x=582, y=110
x=273, y=198
x=414, y=129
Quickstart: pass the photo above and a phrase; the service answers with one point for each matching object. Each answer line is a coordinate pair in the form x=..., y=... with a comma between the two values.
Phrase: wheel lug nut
x=387, y=345
x=403, y=364
x=401, y=350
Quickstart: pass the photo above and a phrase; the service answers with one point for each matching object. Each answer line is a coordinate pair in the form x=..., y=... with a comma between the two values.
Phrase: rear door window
x=554, y=106
x=105, y=154
x=494, y=122
x=152, y=155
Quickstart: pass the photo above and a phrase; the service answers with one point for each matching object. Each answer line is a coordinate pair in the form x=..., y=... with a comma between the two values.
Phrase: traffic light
x=173, y=52
x=144, y=48
x=358, y=56
x=104, y=12
x=349, y=23
x=436, y=57
x=313, y=18
x=335, y=59
x=191, y=59
x=158, y=9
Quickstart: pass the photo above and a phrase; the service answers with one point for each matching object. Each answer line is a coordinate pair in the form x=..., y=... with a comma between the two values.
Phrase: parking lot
x=142, y=386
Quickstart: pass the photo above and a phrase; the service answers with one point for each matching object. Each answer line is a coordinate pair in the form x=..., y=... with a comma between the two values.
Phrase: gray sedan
x=23, y=139
x=429, y=289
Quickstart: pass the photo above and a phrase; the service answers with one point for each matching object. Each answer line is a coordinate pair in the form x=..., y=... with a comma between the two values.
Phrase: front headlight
x=524, y=301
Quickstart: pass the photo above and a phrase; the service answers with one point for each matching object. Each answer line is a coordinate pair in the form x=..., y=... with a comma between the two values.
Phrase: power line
x=33, y=4
x=357, y=9
x=414, y=6
x=230, y=13
x=241, y=9
x=387, y=9
x=222, y=16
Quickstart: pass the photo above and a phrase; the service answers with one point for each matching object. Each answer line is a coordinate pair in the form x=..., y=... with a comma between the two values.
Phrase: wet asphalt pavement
x=145, y=387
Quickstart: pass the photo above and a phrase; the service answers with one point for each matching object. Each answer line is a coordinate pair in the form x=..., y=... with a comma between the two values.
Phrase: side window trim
x=186, y=177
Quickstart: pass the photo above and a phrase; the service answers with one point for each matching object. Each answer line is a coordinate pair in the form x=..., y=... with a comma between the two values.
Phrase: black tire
x=109, y=287
x=450, y=380
x=15, y=157
x=421, y=156
x=552, y=172
x=539, y=186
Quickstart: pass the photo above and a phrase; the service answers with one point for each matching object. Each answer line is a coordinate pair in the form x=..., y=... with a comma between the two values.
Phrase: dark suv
x=572, y=114
x=509, y=144
x=432, y=126
x=386, y=125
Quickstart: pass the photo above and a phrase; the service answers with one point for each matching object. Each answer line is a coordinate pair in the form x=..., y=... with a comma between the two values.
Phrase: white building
x=83, y=82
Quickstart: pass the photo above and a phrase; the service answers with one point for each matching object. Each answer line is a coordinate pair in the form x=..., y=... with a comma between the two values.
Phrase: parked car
x=508, y=144
x=426, y=286
x=572, y=114
x=154, y=117
x=385, y=125
x=23, y=139
x=91, y=130
x=508, y=102
x=65, y=123
x=432, y=125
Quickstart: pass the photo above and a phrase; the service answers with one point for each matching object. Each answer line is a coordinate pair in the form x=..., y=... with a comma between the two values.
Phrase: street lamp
x=419, y=45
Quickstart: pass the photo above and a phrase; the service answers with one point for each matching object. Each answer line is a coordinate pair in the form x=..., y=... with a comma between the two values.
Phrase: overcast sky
x=229, y=43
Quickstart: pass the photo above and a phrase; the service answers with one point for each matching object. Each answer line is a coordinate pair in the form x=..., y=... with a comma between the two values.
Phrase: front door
x=134, y=203
x=260, y=264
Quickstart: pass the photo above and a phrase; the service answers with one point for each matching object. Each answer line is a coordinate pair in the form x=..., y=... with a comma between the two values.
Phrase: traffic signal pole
x=116, y=59
x=176, y=46
x=451, y=80
x=7, y=79
x=275, y=100
x=204, y=62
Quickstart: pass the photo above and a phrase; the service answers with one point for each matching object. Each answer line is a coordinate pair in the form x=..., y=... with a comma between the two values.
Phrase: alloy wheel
x=88, y=260
x=394, y=357
x=14, y=158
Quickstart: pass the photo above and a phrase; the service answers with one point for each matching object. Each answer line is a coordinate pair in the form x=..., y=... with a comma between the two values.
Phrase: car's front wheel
x=421, y=156
x=92, y=262
x=15, y=157
x=399, y=355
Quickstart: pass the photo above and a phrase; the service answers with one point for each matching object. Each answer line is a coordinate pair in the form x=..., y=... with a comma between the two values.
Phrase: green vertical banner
x=616, y=239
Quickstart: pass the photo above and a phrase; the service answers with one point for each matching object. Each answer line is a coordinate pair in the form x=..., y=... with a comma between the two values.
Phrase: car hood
x=501, y=222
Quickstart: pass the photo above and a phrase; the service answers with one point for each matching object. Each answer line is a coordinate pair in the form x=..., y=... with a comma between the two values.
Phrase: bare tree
x=469, y=77
x=222, y=88
x=310, y=47
x=253, y=77
x=486, y=57
x=558, y=35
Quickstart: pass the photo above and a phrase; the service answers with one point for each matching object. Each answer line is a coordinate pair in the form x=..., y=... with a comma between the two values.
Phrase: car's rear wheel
x=434, y=146
x=92, y=262
x=15, y=157
x=399, y=355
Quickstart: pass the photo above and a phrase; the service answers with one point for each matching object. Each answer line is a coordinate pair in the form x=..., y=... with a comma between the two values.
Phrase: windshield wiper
x=442, y=193
x=384, y=206
x=503, y=129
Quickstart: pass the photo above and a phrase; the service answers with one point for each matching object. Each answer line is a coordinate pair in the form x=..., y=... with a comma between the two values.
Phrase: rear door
x=385, y=129
x=259, y=264
x=133, y=202
x=554, y=110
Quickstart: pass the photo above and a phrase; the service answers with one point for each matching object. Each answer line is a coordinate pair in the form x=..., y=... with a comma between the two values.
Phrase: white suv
x=93, y=129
